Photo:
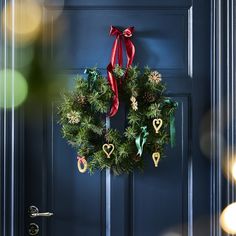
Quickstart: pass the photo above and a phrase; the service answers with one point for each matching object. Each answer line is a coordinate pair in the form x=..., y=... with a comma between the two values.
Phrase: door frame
x=223, y=55
x=223, y=18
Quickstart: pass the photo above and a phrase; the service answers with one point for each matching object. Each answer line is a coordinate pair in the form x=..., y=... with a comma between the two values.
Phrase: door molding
x=223, y=110
x=222, y=86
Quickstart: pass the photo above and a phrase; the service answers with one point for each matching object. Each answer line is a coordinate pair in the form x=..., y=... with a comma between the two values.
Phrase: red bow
x=81, y=159
x=117, y=53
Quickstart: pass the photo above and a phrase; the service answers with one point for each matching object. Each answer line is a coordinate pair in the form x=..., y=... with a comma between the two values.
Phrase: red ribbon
x=81, y=159
x=117, y=53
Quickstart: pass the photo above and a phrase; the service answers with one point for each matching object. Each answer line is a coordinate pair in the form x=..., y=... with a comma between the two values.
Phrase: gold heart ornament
x=108, y=149
x=157, y=123
x=82, y=164
x=156, y=157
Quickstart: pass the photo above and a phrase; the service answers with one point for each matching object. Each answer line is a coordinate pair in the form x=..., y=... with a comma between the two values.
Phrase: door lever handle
x=43, y=214
x=34, y=212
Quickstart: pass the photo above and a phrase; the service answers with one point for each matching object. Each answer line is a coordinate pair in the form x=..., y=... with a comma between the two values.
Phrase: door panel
x=156, y=45
x=81, y=212
x=171, y=36
x=120, y=3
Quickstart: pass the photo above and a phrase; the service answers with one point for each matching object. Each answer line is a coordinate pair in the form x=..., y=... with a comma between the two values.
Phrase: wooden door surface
x=172, y=37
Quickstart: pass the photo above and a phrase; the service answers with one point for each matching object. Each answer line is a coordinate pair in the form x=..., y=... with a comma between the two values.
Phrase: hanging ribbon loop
x=117, y=53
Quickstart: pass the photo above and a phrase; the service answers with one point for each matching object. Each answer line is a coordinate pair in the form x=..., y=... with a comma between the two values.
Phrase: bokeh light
x=171, y=234
x=229, y=166
x=234, y=170
x=23, y=19
x=228, y=219
x=7, y=93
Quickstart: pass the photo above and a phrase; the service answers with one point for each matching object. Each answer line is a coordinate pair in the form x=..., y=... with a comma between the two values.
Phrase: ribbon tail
x=172, y=130
x=130, y=51
x=113, y=83
x=115, y=49
x=141, y=140
x=137, y=142
x=120, y=53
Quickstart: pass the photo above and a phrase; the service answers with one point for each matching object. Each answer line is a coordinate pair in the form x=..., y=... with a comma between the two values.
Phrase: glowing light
x=234, y=170
x=229, y=166
x=171, y=234
x=7, y=93
x=27, y=20
x=228, y=219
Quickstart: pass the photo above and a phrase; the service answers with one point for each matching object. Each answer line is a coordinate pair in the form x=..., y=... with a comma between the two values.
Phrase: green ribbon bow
x=141, y=140
x=93, y=75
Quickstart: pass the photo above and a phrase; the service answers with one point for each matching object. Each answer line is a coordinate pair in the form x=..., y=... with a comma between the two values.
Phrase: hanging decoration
x=82, y=164
x=150, y=114
x=156, y=157
x=157, y=123
x=108, y=149
x=117, y=51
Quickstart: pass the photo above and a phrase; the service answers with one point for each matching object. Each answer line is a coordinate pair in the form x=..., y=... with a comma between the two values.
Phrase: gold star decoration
x=134, y=103
x=154, y=77
x=73, y=117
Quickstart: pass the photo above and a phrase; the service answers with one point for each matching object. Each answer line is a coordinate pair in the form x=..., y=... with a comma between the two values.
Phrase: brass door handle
x=34, y=212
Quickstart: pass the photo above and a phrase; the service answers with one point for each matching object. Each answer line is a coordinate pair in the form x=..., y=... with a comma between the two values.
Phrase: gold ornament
x=154, y=77
x=108, y=149
x=156, y=157
x=134, y=103
x=73, y=117
x=82, y=160
x=157, y=123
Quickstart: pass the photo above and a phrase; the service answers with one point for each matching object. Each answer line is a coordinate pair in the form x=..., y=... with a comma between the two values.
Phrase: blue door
x=172, y=37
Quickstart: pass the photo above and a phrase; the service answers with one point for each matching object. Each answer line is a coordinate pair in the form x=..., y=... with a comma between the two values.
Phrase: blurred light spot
x=6, y=93
x=229, y=166
x=228, y=219
x=27, y=17
x=171, y=234
x=23, y=56
x=234, y=170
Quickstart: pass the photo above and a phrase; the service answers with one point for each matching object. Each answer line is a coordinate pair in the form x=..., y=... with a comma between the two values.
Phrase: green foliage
x=83, y=111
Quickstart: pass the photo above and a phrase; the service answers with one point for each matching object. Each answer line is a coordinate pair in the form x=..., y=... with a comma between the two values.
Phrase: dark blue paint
x=149, y=203
x=152, y=43
x=119, y=3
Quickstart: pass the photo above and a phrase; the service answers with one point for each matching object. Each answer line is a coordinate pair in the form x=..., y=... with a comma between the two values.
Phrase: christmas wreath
x=150, y=116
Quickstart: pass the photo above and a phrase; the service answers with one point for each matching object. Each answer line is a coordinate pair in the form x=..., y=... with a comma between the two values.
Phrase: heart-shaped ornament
x=108, y=149
x=156, y=157
x=157, y=123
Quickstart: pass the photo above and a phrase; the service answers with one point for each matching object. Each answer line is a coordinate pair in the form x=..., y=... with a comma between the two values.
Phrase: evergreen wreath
x=150, y=120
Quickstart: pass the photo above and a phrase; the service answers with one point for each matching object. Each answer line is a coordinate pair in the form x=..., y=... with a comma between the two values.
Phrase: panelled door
x=172, y=37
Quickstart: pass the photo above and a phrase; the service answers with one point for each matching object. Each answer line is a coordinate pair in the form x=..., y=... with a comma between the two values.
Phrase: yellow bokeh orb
x=23, y=20
x=13, y=88
x=234, y=170
x=228, y=219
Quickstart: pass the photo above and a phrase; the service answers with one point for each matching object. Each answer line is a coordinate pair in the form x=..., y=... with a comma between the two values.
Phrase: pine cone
x=148, y=97
x=81, y=99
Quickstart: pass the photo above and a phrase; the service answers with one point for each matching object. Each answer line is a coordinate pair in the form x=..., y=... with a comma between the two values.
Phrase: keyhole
x=33, y=229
